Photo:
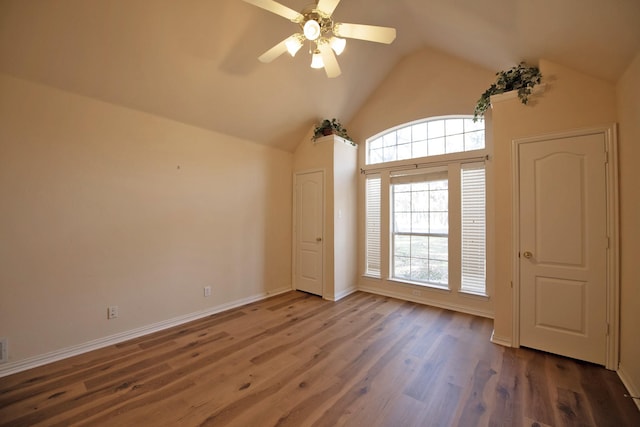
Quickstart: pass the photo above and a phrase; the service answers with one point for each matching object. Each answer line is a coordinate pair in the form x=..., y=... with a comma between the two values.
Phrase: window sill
x=473, y=295
x=422, y=285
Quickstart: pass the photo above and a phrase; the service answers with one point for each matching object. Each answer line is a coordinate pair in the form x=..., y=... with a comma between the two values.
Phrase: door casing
x=612, y=275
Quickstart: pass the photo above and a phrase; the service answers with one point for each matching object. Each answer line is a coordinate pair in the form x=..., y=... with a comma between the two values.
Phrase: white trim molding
x=342, y=294
x=54, y=356
x=421, y=300
x=632, y=388
x=499, y=340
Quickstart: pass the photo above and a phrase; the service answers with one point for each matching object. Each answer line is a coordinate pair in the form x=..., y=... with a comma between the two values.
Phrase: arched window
x=436, y=207
x=424, y=138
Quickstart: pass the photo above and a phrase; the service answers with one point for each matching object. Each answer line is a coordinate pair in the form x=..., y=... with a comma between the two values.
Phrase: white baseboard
x=340, y=295
x=54, y=356
x=426, y=301
x=631, y=386
x=503, y=341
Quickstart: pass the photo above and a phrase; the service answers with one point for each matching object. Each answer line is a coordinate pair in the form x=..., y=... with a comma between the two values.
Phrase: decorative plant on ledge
x=331, y=127
x=521, y=78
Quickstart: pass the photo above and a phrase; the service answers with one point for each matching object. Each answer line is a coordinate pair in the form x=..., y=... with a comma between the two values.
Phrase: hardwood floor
x=296, y=360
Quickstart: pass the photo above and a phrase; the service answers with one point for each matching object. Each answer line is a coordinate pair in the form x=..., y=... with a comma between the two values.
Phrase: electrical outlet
x=112, y=312
x=4, y=350
x=207, y=291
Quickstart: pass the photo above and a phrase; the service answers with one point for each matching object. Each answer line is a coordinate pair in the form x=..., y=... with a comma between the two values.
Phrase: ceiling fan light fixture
x=294, y=43
x=311, y=29
x=326, y=36
x=338, y=44
x=316, y=60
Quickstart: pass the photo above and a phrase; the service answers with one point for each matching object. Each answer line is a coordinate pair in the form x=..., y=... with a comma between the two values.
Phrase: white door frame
x=613, y=264
x=294, y=284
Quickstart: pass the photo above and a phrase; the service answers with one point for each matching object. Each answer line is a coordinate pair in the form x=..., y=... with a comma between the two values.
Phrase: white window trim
x=472, y=303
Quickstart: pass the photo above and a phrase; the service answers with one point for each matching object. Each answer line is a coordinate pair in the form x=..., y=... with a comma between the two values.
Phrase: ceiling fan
x=326, y=37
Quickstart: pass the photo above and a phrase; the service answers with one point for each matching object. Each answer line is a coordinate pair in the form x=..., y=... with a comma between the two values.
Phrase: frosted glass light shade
x=316, y=60
x=293, y=45
x=338, y=45
x=311, y=29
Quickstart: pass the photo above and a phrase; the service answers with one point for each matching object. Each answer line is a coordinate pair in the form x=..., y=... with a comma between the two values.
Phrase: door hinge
x=607, y=329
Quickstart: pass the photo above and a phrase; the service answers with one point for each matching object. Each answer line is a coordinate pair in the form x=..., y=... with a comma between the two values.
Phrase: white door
x=563, y=246
x=309, y=213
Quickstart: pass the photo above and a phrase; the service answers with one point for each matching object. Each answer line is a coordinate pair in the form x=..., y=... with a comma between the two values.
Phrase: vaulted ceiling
x=195, y=61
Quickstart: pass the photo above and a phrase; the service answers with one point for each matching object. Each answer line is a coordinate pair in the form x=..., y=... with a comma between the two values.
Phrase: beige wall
x=338, y=162
x=345, y=218
x=102, y=205
x=628, y=91
x=426, y=83
x=570, y=100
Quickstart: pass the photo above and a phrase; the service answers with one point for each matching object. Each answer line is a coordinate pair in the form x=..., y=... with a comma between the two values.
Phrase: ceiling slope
x=195, y=61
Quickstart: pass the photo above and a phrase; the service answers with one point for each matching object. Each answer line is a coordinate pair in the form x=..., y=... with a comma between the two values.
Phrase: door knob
x=318, y=239
x=527, y=254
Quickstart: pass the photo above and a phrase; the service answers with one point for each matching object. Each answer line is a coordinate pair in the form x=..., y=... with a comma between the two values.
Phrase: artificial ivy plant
x=331, y=127
x=521, y=78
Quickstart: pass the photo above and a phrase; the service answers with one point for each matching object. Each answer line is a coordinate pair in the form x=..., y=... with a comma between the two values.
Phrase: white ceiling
x=195, y=61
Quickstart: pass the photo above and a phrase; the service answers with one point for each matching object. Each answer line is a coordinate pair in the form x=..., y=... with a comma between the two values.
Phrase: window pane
x=454, y=126
x=375, y=156
x=375, y=144
x=402, y=223
x=436, y=146
x=404, y=135
x=439, y=223
x=439, y=248
x=419, y=270
x=404, y=152
x=421, y=253
x=474, y=140
x=439, y=200
x=402, y=267
x=420, y=222
x=389, y=154
x=470, y=125
x=420, y=247
x=436, y=128
x=420, y=149
x=402, y=245
x=402, y=202
x=439, y=272
x=389, y=139
x=419, y=131
x=455, y=143
x=420, y=201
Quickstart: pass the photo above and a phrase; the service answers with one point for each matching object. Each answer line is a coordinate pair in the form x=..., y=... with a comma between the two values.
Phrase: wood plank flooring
x=297, y=360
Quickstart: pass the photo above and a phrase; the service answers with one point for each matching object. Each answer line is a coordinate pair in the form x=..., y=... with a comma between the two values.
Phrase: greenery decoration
x=331, y=127
x=521, y=78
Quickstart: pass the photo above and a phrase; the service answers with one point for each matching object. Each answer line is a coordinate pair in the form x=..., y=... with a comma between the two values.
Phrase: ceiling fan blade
x=331, y=66
x=278, y=9
x=370, y=33
x=327, y=6
x=274, y=52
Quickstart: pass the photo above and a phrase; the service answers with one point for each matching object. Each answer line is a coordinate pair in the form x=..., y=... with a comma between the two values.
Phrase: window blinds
x=473, y=206
x=372, y=255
